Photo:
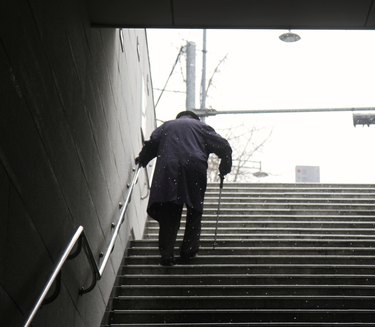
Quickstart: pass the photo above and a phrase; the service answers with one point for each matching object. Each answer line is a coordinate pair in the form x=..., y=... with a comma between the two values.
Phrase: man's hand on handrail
x=138, y=162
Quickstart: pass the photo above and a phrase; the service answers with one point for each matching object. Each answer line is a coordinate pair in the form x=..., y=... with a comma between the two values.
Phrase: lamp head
x=289, y=37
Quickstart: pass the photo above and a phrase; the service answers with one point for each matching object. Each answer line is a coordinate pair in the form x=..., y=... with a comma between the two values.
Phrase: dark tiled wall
x=70, y=128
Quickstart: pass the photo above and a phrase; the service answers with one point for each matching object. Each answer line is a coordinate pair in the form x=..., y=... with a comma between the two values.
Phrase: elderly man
x=182, y=147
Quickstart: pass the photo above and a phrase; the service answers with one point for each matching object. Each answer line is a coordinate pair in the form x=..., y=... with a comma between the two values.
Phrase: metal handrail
x=119, y=221
x=80, y=235
x=56, y=271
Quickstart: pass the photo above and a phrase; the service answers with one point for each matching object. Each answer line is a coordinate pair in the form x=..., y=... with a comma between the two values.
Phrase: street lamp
x=257, y=165
x=289, y=37
x=260, y=174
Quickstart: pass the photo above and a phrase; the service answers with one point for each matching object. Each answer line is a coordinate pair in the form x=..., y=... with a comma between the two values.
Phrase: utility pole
x=190, y=76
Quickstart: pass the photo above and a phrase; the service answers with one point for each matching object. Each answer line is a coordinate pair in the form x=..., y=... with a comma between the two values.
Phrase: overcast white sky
x=325, y=69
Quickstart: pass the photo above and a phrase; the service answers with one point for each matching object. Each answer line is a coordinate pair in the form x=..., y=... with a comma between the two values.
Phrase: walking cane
x=218, y=208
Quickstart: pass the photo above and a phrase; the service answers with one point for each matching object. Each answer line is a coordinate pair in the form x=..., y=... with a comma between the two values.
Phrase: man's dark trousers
x=169, y=224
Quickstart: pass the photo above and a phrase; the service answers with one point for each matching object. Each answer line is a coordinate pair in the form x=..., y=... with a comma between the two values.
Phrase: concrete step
x=295, y=207
x=230, y=316
x=214, y=194
x=153, y=231
x=304, y=205
x=246, y=269
x=235, y=224
x=241, y=201
x=301, y=186
x=254, y=190
x=257, y=251
x=169, y=278
x=265, y=234
x=261, y=242
x=238, y=217
x=225, y=301
x=245, y=290
x=247, y=324
x=289, y=210
x=263, y=259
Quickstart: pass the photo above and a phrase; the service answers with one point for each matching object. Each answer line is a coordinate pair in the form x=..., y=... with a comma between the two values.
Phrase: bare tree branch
x=245, y=145
x=210, y=81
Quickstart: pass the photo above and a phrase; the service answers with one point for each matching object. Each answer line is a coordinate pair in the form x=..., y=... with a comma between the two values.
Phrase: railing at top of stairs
x=80, y=238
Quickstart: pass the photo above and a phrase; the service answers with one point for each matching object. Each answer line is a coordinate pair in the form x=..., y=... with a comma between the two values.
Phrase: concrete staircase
x=287, y=255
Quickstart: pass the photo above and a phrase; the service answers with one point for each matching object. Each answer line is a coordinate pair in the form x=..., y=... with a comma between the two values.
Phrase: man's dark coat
x=182, y=147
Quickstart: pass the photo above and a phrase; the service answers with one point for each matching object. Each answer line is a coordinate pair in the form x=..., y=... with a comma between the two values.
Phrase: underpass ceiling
x=253, y=14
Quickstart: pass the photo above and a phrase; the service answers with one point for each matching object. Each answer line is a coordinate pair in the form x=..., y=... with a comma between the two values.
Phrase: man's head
x=187, y=113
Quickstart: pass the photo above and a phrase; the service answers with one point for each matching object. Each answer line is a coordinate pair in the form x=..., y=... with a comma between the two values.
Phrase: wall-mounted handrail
x=55, y=273
x=119, y=221
x=79, y=235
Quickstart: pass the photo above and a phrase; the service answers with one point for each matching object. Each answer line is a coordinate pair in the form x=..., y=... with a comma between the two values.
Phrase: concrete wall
x=72, y=98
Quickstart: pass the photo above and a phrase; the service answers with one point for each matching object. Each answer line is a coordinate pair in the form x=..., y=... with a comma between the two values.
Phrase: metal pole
x=218, y=209
x=190, y=75
x=204, y=69
x=214, y=112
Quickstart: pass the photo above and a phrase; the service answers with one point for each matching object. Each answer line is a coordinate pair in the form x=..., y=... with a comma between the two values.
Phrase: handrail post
x=148, y=185
x=96, y=275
